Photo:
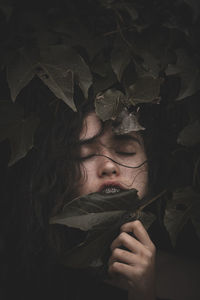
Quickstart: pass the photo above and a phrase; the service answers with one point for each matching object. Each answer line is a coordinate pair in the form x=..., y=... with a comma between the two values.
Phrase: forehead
x=92, y=127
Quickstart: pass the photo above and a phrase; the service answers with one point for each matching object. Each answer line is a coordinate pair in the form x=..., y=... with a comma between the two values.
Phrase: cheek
x=87, y=177
x=140, y=180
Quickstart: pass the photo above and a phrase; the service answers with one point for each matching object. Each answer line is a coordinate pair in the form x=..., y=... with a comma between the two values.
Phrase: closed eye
x=123, y=153
x=87, y=157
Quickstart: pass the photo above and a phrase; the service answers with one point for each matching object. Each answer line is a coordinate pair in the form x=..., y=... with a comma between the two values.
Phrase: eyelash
x=126, y=153
x=120, y=153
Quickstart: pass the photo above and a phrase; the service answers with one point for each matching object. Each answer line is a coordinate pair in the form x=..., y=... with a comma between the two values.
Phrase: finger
x=123, y=256
x=139, y=231
x=122, y=269
x=129, y=242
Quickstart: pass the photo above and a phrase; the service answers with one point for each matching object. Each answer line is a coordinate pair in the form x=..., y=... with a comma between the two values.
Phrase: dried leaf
x=109, y=104
x=126, y=122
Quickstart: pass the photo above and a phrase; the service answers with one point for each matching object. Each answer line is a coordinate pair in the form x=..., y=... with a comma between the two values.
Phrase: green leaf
x=147, y=219
x=144, y=90
x=101, y=216
x=88, y=211
x=126, y=122
x=180, y=208
x=20, y=71
x=120, y=57
x=18, y=129
x=190, y=135
x=108, y=104
x=65, y=58
x=60, y=81
x=188, y=71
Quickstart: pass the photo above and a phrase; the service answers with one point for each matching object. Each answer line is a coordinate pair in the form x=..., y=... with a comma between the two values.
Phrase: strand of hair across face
x=140, y=165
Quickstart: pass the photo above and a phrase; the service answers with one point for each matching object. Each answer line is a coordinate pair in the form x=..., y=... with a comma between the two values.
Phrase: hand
x=136, y=265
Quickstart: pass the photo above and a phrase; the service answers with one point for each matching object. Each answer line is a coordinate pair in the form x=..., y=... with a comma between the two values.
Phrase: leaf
x=64, y=59
x=147, y=219
x=60, y=81
x=144, y=90
x=18, y=129
x=120, y=58
x=88, y=211
x=100, y=215
x=179, y=210
x=20, y=72
x=190, y=135
x=126, y=122
x=188, y=71
x=108, y=104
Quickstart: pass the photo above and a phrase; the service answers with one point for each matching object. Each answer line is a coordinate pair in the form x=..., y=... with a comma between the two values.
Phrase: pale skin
x=132, y=267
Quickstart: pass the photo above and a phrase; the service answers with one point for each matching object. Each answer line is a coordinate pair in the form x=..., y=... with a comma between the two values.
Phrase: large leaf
x=108, y=104
x=188, y=71
x=182, y=207
x=101, y=217
x=144, y=90
x=61, y=60
x=20, y=71
x=190, y=135
x=18, y=129
x=120, y=58
x=88, y=211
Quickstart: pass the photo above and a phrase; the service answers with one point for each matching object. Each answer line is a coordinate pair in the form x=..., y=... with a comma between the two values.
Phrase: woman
x=77, y=154
x=100, y=152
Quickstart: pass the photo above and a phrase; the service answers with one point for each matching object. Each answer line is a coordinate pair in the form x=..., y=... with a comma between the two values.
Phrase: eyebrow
x=91, y=140
x=126, y=137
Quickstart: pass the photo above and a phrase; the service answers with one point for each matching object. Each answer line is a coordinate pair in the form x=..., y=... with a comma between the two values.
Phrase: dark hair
x=56, y=172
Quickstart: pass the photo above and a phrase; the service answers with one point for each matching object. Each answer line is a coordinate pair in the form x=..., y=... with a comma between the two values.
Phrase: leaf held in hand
x=101, y=216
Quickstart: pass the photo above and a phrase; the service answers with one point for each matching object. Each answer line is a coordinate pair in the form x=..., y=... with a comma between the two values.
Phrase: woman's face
x=106, y=160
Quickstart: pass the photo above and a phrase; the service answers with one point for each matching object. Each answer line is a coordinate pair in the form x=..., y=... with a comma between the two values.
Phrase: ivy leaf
x=182, y=207
x=18, y=129
x=190, y=135
x=126, y=122
x=87, y=212
x=101, y=217
x=120, y=58
x=108, y=104
x=60, y=81
x=188, y=71
x=64, y=59
x=20, y=71
x=144, y=90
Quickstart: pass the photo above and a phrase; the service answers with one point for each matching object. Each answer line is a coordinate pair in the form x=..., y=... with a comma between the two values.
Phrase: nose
x=108, y=168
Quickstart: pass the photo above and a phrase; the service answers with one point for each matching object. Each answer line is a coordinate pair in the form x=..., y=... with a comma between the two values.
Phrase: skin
x=134, y=266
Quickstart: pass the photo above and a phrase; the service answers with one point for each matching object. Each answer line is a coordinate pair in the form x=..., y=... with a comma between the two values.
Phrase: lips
x=111, y=188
